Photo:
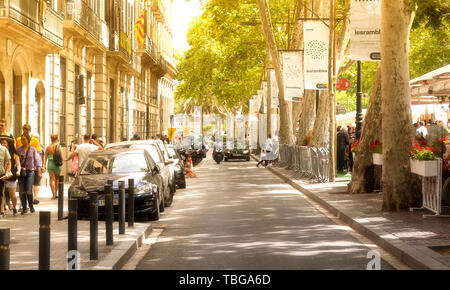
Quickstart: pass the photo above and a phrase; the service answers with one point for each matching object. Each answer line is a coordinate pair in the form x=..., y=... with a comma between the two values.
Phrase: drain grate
x=441, y=250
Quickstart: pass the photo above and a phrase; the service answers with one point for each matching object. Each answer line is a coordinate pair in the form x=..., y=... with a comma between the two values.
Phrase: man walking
x=3, y=129
x=342, y=143
x=5, y=173
x=83, y=150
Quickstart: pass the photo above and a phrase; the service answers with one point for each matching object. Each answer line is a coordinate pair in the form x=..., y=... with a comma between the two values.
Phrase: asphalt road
x=234, y=216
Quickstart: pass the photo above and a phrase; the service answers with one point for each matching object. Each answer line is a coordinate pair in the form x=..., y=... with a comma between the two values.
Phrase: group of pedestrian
x=345, y=138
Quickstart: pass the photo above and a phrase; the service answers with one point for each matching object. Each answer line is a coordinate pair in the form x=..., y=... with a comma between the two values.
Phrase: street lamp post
x=359, y=103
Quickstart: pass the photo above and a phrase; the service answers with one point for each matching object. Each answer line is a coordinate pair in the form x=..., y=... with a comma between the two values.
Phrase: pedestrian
x=421, y=132
x=267, y=149
x=83, y=150
x=342, y=143
x=37, y=177
x=4, y=128
x=53, y=164
x=26, y=130
x=11, y=182
x=351, y=140
x=30, y=165
x=136, y=137
x=73, y=147
x=95, y=139
x=5, y=173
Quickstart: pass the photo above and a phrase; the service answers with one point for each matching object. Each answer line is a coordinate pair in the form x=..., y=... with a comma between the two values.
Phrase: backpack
x=57, y=158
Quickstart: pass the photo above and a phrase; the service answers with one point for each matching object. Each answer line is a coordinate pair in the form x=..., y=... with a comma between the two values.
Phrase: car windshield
x=151, y=149
x=126, y=163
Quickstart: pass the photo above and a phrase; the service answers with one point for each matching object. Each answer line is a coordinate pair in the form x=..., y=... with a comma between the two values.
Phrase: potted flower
x=422, y=160
x=377, y=149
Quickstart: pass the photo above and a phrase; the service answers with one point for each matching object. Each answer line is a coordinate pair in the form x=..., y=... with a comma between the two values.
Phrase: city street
x=237, y=216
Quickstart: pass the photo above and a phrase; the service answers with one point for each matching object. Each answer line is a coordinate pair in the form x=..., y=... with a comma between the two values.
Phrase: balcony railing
x=79, y=12
x=120, y=42
x=49, y=24
x=158, y=10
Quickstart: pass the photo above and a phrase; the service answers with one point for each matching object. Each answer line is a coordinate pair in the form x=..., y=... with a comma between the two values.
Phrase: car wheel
x=168, y=202
x=154, y=216
x=182, y=184
x=226, y=159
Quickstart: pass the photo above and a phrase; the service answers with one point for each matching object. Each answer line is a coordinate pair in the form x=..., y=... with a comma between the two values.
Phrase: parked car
x=120, y=165
x=237, y=153
x=158, y=156
x=170, y=161
x=180, y=170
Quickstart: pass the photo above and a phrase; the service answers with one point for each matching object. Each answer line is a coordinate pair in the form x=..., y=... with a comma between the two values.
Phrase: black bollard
x=72, y=239
x=4, y=248
x=44, y=240
x=121, y=207
x=130, y=202
x=61, y=198
x=109, y=215
x=93, y=212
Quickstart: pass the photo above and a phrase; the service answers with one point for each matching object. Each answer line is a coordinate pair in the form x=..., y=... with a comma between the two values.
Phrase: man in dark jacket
x=342, y=142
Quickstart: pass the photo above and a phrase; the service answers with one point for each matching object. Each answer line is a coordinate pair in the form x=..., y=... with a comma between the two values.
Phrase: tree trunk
x=286, y=136
x=371, y=131
x=308, y=116
x=321, y=124
x=399, y=192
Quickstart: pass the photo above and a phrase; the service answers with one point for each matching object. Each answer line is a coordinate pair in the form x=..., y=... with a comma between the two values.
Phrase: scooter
x=218, y=155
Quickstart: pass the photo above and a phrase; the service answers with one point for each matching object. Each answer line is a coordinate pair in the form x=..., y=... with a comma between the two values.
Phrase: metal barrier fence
x=306, y=162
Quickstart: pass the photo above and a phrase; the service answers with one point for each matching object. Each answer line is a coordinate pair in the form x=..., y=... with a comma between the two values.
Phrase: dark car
x=153, y=148
x=237, y=153
x=119, y=165
x=180, y=170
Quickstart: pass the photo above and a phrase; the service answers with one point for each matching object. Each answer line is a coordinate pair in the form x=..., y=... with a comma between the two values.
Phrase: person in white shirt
x=267, y=149
x=83, y=150
x=421, y=132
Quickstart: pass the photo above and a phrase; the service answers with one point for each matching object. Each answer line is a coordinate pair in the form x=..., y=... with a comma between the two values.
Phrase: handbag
x=57, y=158
x=23, y=170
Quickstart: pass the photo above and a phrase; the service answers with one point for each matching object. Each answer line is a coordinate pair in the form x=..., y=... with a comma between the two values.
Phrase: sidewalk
x=24, y=244
x=406, y=235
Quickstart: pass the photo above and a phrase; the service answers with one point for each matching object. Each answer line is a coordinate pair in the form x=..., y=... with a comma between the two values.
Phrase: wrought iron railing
x=53, y=27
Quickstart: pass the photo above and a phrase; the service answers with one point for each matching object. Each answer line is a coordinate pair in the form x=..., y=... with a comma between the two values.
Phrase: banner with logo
x=197, y=128
x=218, y=134
x=365, y=27
x=262, y=130
x=265, y=92
x=253, y=136
x=240, y=131
x=292, y=75
x=273, y=88
x=230, y=131
x=316, y=37
x=274, y=125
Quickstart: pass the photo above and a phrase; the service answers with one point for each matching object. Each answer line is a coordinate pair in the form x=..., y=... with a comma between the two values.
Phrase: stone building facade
x=74, y=67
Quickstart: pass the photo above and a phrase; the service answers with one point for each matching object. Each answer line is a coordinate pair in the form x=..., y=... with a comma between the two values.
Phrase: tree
x=398, y=190
x=286, y=133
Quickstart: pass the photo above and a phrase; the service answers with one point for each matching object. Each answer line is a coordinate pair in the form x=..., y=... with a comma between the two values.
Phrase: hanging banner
x=292, y=75
x=316, y=36
x=274, y=125
x=365, y=27
x=197, y=129
x=253, y=132
x=240, y=131
x=218, y=133
x=262, y=130
x=230, y=132
x=265, y=93
x=273, y=88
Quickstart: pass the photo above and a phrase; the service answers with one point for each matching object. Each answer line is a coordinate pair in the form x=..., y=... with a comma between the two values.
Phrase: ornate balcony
x=160, y=68
x=148, y=51
x=120, y=47
x=83, y=22
x=158, y=10
x=24, y=22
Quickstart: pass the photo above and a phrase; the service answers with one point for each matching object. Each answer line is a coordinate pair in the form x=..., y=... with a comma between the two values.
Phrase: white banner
x=365, y=27
x=292, y=75
x=262, y=130
x=265, y=92
x=240, y=131
x=316, y=36
x=218, y=133
x=273, y=88
x=275, y=125
x=197, y=130
x=253, y=138
x=230, y=132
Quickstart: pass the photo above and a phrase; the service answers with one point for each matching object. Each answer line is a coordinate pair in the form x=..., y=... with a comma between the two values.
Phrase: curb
x=407, y=254
x=123, y=252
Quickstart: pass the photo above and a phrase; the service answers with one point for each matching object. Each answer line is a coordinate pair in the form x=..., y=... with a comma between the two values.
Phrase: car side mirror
x=156, y=169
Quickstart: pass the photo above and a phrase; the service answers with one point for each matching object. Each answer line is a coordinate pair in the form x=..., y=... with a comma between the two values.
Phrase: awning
x=427, y=88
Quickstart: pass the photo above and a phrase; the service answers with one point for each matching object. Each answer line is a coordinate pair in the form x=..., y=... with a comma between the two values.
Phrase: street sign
x=342, y=84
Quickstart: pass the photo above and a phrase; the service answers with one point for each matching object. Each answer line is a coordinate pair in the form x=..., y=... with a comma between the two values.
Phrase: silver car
x=158, y=157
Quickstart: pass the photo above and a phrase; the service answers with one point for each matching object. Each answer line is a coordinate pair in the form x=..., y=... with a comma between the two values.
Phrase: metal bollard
x=93, y=213
x=61, y=198
x=44, y=240
x=72, y=223
x=121, y=207
x=130, y=202
x=109, y=215
x=4, y=248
